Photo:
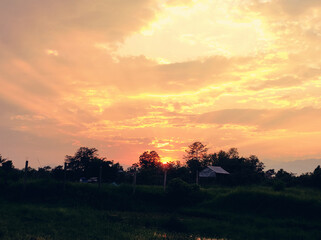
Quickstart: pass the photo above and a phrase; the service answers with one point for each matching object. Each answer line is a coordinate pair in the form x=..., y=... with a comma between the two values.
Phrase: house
x=212, y=172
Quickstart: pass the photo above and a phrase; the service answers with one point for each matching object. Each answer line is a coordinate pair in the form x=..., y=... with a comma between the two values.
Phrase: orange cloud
x=67, y=78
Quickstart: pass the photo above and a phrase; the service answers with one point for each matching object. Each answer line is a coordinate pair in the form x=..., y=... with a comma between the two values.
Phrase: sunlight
x=176, y=36
x=166, y=160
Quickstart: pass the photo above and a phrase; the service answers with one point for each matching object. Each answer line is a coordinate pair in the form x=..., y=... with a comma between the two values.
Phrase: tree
x=83, y=158
x=2, y=159
x=7, y=165
x=197, y=150
x=243, y=170
x=87, y=163
x=149, y=160
x=6, y=169
x=254, y=163
x=150, y=168
x=284, y=176
x=195, y=156
x=270, y=173
x=316, y=177
x=44, y=172
x=58, y=172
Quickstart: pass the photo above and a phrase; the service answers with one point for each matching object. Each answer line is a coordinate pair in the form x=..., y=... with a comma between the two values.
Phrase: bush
x=174, y=224
x=278, y=186
x=180, y=192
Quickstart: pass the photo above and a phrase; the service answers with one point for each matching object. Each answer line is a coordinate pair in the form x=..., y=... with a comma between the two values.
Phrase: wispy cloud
x=93, y=73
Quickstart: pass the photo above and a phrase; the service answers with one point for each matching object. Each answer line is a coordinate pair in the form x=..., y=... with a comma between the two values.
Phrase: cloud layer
x=128, y=76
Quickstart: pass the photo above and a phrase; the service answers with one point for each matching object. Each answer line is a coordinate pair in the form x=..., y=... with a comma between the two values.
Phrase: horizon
x=131, y=76
x=297, y=167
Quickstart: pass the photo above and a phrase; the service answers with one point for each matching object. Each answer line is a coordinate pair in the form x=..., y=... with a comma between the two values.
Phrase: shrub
x=278, y=186
x=180, y=192
x=174, y=224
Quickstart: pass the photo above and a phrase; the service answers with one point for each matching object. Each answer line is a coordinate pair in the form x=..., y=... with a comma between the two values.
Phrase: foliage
x=242, y=170
x=149, y=160
x=180, y=192
x=278, y=185
x=285, y=177
x=251, y=212
x=197, y=150
x=195, y=154
x=174, y=224
x=316, y=177
x=149, y=168
x=87, y=163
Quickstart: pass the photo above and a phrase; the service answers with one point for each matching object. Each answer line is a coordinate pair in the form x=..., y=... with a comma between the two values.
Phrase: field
x=44, y=211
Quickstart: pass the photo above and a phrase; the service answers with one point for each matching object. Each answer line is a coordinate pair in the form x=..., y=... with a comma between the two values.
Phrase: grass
x=46, y=212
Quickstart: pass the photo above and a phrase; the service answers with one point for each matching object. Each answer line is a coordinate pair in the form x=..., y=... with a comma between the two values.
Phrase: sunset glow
x=130, y=76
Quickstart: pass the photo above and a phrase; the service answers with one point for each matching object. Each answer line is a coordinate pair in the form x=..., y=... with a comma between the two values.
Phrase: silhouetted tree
x=44, y=172
x=6, y=169
x=270, y=173
x=58, y=173
x=316, y=177
x=284, y=176
x=82, y=159
x=150, y=168
x=196, y=150
x=2, y=159
x=149, y=160
x=242, y=170
x=196, y=157
x=86, y=163
x=7, y=165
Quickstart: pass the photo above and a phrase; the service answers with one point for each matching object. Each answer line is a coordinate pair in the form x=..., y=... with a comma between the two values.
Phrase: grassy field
x=45, y=211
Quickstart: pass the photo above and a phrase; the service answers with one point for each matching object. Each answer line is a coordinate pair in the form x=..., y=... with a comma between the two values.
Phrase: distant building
x=212, y=172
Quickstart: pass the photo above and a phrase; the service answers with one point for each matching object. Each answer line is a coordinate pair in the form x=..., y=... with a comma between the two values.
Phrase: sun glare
x=166, y=160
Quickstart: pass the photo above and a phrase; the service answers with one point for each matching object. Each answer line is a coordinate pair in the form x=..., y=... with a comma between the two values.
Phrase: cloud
x=42, y=20
x=289, y=7
x=179, y=2
x=265, y=119
x=295, y=7
x=63, y=79
x=286, y=81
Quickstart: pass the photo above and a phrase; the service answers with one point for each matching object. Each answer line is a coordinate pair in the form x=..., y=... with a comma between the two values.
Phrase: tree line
x=86, y=163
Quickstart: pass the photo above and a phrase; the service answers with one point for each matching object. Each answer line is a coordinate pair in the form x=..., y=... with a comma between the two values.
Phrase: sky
x=126, y=76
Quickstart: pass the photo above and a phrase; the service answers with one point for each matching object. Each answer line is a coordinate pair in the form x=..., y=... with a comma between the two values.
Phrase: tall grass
x=82, y=211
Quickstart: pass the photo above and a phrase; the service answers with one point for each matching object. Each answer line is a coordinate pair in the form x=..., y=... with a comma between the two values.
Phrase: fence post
x=100, y=174
x=196, y=177
x=165, y=178
x=134, y=183
x=25, y=176
x=65, y=173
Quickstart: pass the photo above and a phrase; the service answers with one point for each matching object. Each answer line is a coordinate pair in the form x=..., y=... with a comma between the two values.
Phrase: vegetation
x=250, y=203
x=83, y=211
x=149, y=170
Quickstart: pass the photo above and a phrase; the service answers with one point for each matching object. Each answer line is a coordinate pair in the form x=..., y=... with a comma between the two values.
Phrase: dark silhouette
x=149, y=169
x=149, y=160
x=195, y=156
x=86, y=163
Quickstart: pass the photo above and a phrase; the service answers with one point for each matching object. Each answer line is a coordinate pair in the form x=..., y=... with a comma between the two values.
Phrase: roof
x=218, y=170
x=211, y=171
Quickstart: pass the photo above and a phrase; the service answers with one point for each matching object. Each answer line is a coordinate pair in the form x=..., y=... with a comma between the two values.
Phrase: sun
x=165, y=160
